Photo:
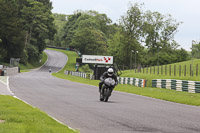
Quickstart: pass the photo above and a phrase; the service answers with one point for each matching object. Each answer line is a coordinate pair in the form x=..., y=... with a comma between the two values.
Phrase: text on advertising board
x=97, y=59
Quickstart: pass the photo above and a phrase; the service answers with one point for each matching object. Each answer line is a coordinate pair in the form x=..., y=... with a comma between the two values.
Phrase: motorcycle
x=107, y=88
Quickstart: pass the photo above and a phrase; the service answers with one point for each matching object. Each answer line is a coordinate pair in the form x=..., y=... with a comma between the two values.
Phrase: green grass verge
x=19, y=117
x=164, y=94
x=76, y=79
x=28, y=66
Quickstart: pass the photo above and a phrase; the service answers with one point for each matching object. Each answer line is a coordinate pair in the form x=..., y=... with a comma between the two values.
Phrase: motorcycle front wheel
x=102, y=94
x=101, y=97
x=107, y=92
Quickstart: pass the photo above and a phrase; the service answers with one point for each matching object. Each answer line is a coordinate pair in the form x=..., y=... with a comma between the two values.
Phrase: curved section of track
x=78, y=105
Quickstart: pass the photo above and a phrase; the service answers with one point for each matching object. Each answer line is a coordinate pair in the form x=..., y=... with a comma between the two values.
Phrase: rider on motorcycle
x=108, y=74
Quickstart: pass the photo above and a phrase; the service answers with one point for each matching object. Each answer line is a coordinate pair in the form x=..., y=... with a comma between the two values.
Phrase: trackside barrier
x=122, y=80
x=178, y=85
x=132, y=81
x=11, y=71
x=79, y=74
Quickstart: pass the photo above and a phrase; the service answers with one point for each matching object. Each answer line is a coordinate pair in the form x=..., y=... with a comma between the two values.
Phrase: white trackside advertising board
x=93, y=59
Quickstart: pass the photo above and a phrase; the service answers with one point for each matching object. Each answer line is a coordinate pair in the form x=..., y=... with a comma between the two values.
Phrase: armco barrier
x=79, y=74
x=11, y=71
x=178, y=85
x=132, y=81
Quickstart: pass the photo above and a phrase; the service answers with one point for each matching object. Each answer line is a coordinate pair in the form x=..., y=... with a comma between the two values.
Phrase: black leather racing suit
x=104, y=76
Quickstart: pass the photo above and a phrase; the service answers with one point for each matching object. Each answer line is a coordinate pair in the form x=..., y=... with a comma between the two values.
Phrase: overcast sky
x=186, y=11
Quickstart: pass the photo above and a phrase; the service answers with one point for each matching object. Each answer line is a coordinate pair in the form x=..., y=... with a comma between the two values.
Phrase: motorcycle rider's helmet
x=110, y=72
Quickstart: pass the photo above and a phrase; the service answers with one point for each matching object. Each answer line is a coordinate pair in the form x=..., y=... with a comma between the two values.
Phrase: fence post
x=179, y=70
x=143, y=68
x=162, y=70
x=138, y=70
x=157, y=69
x=165, y=69
x=147, y=70
x=170, y=70
x=154, y=69
x=174, y=70
x=190, y=69
x=185, y=71
x=150, y=69
x=197, y=69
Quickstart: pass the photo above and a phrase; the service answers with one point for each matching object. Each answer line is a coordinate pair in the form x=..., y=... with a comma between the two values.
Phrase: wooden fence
x=171, y=70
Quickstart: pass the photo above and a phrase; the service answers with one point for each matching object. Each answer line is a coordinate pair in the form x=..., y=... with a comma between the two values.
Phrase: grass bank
x=184, y=68
x=18, y=117
x=28, y=66
x=164, y=94
x=178, y=71
x=149, y=77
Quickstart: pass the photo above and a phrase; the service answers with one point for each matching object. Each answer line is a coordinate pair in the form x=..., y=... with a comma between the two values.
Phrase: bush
x=33, y=54
x=85, y=68
x=24, y=59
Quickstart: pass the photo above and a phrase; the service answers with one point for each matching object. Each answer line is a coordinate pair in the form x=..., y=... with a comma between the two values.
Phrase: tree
x=195, y=50
x=169, y=29
x=152, y=30
x=131, y=24
x=11, y=31
x=115, y=46
x=102, y=22
x=87, y=32
x=69, y=28
x=89, y=40
x=159, y=31
x=24, y=23
x=46, y=3
x=38, y=22
x=181, y=55
x=59, y=21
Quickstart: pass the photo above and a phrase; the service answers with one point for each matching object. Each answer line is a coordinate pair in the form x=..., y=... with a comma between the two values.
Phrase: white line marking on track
x=3, y=82
x=9, y=87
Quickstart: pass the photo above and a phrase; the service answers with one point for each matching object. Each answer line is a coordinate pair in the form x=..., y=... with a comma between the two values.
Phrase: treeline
x=195, y=49
x=25, y=28
x=144, y=36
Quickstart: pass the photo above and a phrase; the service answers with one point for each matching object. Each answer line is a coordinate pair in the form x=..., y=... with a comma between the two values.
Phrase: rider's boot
x=100, y=87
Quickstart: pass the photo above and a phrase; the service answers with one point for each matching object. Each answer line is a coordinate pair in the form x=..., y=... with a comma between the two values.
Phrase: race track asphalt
x=77, y=105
